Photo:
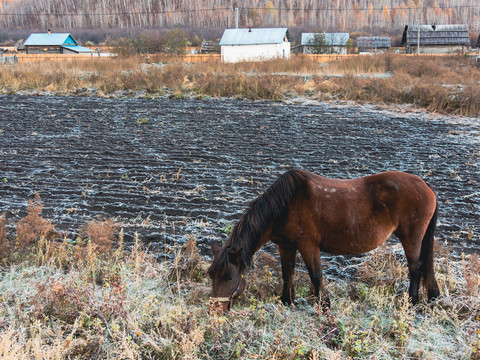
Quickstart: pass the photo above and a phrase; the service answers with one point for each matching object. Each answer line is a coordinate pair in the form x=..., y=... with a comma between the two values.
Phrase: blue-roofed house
x=255, y=44
x=53, y=43
x=325, y=43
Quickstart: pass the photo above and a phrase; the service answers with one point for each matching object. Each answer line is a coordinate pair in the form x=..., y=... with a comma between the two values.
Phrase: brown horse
x=309, y=213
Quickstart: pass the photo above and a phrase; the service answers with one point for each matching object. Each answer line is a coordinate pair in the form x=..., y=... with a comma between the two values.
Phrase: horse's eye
x=230, y=276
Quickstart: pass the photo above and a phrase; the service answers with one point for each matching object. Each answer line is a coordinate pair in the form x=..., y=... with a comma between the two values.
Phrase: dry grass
x=111, y=303
x=33, y=227
x=4, y=244
x=101, y=234
x=447, y=84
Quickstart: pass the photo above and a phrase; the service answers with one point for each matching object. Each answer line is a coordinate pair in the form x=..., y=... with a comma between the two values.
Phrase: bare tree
x=331, y=15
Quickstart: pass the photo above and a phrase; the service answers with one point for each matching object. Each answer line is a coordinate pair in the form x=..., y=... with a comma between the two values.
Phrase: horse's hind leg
x=288, y=257
x=419, y=254
x=411, y=245
x=311, y=257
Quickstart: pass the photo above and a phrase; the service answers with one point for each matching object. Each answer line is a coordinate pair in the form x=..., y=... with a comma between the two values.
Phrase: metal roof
x=373, y=42
x=436, y=35
x=254, y=36
x=44, y=39
x=77, y=48
x=331, y=39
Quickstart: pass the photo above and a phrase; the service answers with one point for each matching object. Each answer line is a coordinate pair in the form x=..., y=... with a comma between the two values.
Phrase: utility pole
x=418, y=39
x=236, y=18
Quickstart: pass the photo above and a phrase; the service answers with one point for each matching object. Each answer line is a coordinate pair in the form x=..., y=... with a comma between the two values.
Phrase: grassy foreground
x=92, y=298
x=447, y=84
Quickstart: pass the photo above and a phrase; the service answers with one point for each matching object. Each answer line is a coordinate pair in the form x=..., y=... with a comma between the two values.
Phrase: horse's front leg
x=311, y=256
x=288, y=257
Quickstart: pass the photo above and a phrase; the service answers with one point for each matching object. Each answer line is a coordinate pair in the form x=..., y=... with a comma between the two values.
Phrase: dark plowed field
x=169, y=169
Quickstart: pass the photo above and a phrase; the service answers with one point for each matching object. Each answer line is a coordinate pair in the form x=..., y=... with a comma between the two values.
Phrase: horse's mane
x=272, y=205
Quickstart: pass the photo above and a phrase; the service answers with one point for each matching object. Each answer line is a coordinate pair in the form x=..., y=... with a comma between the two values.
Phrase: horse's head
x=228, y=282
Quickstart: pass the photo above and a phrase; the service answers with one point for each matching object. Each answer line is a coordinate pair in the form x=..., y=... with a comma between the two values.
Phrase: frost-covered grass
x=93, y=299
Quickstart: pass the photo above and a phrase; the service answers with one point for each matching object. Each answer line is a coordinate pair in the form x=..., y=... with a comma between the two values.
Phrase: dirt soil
x=170, y=169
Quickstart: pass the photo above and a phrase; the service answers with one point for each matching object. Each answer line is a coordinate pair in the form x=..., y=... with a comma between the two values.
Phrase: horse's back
x=357, y=215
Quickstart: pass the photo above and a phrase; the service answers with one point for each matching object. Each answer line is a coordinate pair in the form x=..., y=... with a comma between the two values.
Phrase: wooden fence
x=58, y=57
x=200, y=58
x=189, y=58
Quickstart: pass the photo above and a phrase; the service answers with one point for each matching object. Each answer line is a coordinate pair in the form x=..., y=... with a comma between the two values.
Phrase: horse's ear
x=234, y=256
x=215, y=249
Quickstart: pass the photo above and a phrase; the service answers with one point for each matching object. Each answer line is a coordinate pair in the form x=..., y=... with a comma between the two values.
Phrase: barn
x=53, y=43
x=255, y=44
x=375, y=44
x=436, y=39
x=324, y=43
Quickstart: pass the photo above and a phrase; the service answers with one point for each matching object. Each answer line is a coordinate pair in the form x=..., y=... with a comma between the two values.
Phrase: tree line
x=329, y=15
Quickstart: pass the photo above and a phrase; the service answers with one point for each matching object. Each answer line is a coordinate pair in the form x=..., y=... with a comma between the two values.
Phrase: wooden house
x=254, y=44
x=324, y=43
x=373, y=44
x=53, y=43
x=436, y=39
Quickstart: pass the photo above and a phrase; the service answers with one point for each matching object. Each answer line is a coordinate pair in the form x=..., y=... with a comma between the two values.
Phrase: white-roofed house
x=255, y=44
x=325, y=43
x=53, y=43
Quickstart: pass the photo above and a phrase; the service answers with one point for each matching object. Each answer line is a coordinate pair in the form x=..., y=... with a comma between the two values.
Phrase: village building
x=53, y=43
x=254, y=44
x=436, y=39
x=324, y=43
x=373, y=44
x=209, y=47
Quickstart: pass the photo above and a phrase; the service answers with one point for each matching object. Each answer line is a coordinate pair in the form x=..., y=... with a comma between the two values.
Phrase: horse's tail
x=426, y=257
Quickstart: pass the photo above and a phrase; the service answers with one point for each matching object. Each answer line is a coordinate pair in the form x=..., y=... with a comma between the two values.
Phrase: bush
x=33, y=227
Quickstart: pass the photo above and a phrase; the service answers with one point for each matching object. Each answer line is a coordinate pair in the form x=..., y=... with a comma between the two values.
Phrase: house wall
x=237, y=53
x=33, y=49
x=372, y=50
x=441, y=49
x=329, y=49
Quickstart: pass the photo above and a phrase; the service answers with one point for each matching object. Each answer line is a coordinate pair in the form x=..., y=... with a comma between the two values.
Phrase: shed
x=210, y=47
x=376, y=44
x=325, y=43
x=436, y=39
x=255, y=44
x=53, y=43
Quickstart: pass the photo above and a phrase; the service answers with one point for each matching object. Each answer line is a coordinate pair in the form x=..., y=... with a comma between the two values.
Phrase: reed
x=445, y=84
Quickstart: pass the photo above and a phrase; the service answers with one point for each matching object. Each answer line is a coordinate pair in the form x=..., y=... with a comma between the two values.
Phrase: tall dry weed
x=101, y=234
x=471, y=273
x=96, y=239
x=5, y=248
x=33, y=226
x=189, y=264
x=384, y=268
